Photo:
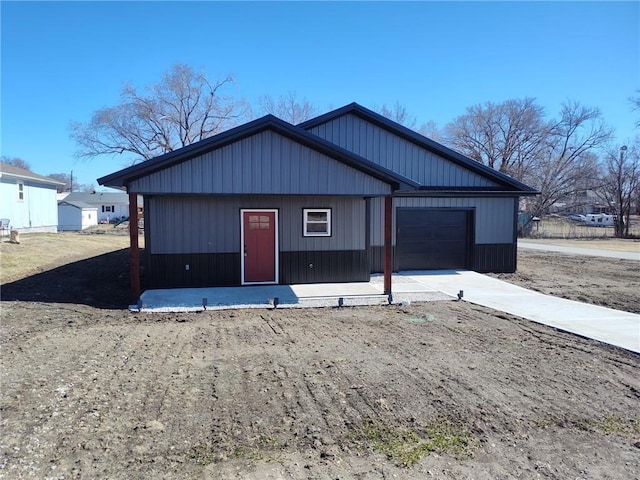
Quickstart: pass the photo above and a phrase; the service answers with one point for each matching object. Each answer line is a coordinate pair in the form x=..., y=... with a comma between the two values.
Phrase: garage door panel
x=432, y=239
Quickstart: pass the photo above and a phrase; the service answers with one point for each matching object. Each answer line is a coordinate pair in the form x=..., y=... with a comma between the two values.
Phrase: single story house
x=28, y=200
x=76, y=216
x=112, y=206
x=333, y=199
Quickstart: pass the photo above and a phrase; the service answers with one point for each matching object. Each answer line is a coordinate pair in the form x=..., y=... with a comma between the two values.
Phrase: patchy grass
x=265, y=447
x=614, y=424
x=406, y=447
x=608, y=424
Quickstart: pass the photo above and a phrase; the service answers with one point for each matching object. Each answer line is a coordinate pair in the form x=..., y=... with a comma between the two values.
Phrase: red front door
x=259, y=244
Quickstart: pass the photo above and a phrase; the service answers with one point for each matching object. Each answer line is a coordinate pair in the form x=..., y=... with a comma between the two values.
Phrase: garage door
x=433, y=239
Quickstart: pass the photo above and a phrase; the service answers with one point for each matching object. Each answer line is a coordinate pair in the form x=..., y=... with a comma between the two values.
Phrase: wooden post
x=388, y=263
x=134, y=253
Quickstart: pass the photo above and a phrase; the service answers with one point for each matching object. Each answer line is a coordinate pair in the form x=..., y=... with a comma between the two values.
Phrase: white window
x=317, y=222
x=20, y=191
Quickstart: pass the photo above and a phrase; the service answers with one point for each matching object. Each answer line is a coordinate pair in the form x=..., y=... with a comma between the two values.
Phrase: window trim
x=305, y=222
x=20, y=192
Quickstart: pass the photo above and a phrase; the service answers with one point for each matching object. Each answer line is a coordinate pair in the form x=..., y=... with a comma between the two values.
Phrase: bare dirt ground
x=607, y=282
x=437, y=390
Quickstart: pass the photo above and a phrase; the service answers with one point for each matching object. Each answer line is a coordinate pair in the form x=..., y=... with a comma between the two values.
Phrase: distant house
x=28, y=200
x=334, y=199
x=76, y=216
x=112, y=206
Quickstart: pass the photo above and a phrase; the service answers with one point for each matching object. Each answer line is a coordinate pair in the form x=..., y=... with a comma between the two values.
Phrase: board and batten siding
x=207, y=224
x=494, y=217
x=397, y=154
x=263, y=164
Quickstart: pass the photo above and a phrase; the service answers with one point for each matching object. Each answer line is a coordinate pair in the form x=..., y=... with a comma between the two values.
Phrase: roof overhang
x=33, y=178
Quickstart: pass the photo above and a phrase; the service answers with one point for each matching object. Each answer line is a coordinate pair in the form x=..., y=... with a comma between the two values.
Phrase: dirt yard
x=608, y=282
x=438, y=390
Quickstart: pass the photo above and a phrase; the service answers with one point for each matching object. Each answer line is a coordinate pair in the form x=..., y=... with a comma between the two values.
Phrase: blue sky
x=62, y=61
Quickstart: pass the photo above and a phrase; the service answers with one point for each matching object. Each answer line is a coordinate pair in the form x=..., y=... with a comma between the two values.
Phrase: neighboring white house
x=76, y=215
x=112, y=206
x=28, y=200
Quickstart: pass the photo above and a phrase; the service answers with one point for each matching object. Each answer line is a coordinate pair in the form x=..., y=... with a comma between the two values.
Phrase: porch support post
x=134, y=253
x=388, y=263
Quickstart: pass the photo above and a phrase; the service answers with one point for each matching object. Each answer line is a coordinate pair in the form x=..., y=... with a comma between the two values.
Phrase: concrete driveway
x=599, y=323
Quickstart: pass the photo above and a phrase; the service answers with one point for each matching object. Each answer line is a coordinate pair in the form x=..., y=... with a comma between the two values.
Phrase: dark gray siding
x=265, y=163
x=207, y=224
x=397, y=154
x=494, y=216
x=204, y=233
x=494, y=245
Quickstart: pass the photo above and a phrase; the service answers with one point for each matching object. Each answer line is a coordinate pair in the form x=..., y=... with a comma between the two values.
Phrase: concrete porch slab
x=288, y=296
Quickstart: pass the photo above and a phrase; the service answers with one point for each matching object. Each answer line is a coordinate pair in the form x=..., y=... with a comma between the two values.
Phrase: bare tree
x=70, y=185
x=635, y=106
x=507, y=136
x=288, y=107
x=620, y=183
x=430, y=130
x=16, y=162
x=566, y=160
x=183, y=108
x=397, y=113
x=514, y=137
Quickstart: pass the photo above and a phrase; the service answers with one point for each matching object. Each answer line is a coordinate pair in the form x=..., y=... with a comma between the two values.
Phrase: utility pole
x=623, y=215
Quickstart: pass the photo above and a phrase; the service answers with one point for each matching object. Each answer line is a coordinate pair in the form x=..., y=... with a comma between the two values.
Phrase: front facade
x=111, y=206
x=268, y=202
x=28, y=200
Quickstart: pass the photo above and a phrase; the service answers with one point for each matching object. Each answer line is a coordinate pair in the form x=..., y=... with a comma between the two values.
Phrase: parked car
x=577, y=217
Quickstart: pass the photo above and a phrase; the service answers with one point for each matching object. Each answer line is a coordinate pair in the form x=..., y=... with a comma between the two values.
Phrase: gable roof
x=423, y=142
x=93, y=198
x=80, y=205
x=22, y=174
x=268, y=122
